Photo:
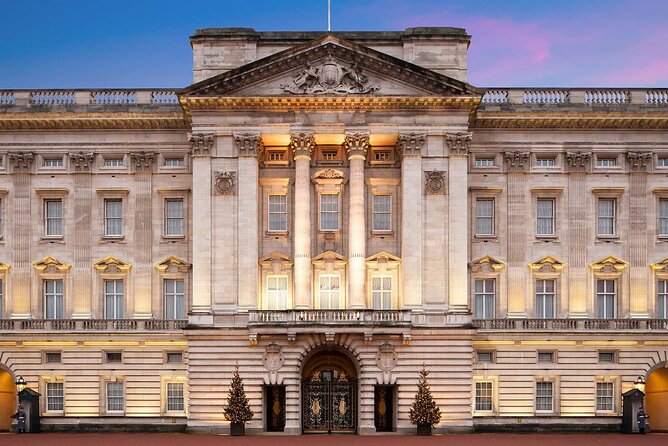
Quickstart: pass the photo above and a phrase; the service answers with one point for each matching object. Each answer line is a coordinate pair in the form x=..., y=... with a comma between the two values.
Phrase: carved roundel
x=386, y=358
x=273, y=357
x=435, y=182
x=225, y=182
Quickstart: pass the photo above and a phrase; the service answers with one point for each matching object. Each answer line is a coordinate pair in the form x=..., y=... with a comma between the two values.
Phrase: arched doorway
x=656, y=399
x=329, y=393
x=7, y=399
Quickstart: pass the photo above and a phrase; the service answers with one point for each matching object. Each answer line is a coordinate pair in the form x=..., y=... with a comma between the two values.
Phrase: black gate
x=275, y=408
x=329, y=406
x=383, y=408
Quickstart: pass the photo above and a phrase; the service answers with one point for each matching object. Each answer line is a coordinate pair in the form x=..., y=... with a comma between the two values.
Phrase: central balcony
x=389, y=318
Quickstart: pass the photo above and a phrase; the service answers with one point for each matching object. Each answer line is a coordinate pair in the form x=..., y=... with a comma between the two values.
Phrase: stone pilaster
x=201, y=147
x=517, y=163
x=458, y=147
x=302, y=146
x=356, y=146
x=409, y=146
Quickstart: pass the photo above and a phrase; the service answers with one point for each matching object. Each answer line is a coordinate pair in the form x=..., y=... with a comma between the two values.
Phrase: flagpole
x=329, y=15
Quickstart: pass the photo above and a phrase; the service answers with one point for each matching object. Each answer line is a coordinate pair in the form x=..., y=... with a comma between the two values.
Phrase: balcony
x=571, y=324
x=91, y=325
x=389, y=318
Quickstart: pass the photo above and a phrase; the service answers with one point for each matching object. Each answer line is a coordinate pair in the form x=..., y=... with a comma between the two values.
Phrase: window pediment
x=172, y=262
x=660, y=266
x=330, y=258
x=112, y=264
x=610, y=264
x=48, y=262
x=547, y=264
x=487, y=263
x=276, y=262
x=4, y=267
x=383, y=260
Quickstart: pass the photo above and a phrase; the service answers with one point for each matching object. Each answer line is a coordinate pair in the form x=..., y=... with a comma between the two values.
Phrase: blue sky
x=144, y=43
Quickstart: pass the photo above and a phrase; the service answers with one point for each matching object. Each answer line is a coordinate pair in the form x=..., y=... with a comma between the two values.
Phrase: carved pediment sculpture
x=330, y=77
x=434, y=182
x=328, y=174
x=225, y=182
x=547, y=264
x=111, y=264
x=48, y=262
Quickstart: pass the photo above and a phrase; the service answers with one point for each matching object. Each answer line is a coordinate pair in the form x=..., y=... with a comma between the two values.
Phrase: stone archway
x=7, y=399
x=656, y=399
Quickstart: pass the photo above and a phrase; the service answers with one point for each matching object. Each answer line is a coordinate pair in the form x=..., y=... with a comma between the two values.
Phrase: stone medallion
x=386, y=358
x=273, y=357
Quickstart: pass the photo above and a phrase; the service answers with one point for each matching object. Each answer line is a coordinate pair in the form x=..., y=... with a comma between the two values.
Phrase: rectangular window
x=278, y=213
x=606, y=216
x=277, y=292
x=330, y=291
x=606, y=296
x=53, y=218
x=114, y=299
x=606, y=162
x=544, y=396
x=382, y=212
x=662, y=298
x=545, y=298
x=484, y=216
x=114, y=357
x=113, y=162
x=484, y=162
x=545, y=356
x=545, y=216
x=276, y=155
x=175, y=397
x=52, y=357
x=546, y=162
x=2, y=299
x=174, y=162
x=484, y=396
x=174, y=358
x=174, y=299
x=382, y=155
x=2, y=220
x=484, y=357
x=484, y=298
x=53, y=299
x=115, y=397
x=605, y=396
x=381, y=292
x=54, y=162
x=329, y=212
x=174, y=217
x=606, y=357
x=113, y=217
x=329, y=155
x=663, y=162
x=55, y=397
x=663, y=217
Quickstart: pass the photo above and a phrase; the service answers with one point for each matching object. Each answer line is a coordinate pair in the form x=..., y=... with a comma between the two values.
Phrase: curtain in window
x=53, y=299
x=174, y=217
x=663, y=217
x=113, y=217
x=484, y=217
x=329, y=292
x=174, y=299
x=277, y=292
x=606, y=217
x=382, y=212
x=545, y=217
x=545, y=299
x=278, y=213
x=381, y=293
x=484, y=299
x=114, y=306
x=605, y=299
x=54, y=216
x=329, y=212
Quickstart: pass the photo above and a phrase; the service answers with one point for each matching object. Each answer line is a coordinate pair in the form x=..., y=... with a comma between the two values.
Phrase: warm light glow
x=20, y=384
x=49, y=343
x=639, y=384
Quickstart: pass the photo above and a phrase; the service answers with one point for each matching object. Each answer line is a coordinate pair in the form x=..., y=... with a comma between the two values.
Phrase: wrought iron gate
x=329, y=406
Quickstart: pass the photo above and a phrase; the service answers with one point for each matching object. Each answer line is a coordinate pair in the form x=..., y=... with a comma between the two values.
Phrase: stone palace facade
x=329, y=212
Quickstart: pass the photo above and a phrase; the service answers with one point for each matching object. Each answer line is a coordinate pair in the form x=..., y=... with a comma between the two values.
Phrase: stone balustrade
x=590, y=97
x=570, y=324
x=18, y=100
x=84, y=325
x=330, y=317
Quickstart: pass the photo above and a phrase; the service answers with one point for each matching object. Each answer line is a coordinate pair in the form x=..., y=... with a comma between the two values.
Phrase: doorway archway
x=7, y=399
x=656, y=399
x=329, y=393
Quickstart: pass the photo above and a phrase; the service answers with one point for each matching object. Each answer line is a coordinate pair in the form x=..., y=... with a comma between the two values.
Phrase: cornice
x=93, y=121
x=570, y=120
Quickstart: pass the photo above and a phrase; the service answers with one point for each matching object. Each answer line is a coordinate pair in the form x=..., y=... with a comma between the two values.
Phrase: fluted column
x=302, y=145
x=638, y=305
x=356, y=145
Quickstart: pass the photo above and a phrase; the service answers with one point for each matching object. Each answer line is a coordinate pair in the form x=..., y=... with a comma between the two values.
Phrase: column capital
x=638, y=161
x=201, y=143
x=356, y=144
x=143, y=161
x=302, y=144
x=458, y=143
x=21, y=161
x=517, y=161
x=249, y=143
x=410, y=144
x=577, y=160
x=83, y=161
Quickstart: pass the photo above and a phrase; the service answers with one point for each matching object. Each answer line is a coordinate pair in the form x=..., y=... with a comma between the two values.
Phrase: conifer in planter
x=238, y=410
x=424, y=411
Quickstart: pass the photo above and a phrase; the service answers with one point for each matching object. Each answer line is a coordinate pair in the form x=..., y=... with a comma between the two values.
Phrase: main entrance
x=656, y=399
x=329, y=394
x=7, y=399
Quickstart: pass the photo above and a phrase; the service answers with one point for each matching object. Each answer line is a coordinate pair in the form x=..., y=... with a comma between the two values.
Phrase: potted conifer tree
x=238, y=410
x=424, y=411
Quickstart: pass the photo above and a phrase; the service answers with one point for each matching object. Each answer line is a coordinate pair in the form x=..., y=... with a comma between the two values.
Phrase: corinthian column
x=356, y=145
x=302, y=145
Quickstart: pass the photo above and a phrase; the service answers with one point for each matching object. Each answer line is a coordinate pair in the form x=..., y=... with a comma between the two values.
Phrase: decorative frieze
x=578, y=160
x=434, y=182
x=201, y=143
x=410, y=144
x=458, y=143
x=328, y=174
x=248, y=143
x=225, y=182
x=302, y=144
x=142, y=160
x=83, y=161
x=638, y=161
x=21, y=161
x=356, y=144
x=517, y=161
x=330, y=77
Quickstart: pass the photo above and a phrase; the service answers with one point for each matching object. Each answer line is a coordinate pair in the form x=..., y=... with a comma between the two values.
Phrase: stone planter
x=237, y=429
x=424, y=429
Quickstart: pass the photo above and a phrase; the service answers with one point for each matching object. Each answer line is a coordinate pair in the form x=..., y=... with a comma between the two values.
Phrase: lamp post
x=20, y=384
x=639, y=384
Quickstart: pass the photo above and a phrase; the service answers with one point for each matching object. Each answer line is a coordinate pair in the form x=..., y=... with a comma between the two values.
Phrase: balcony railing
x=330, y=317
x=576, y=96
x=571, y=324
x=91, y=325
x=38, y=99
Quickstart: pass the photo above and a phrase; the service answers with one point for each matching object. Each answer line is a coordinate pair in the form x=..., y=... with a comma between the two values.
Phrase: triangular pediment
x=172, y=262
x=609, y=264
x=547, y=263
x=329, y=66
x=273, y=257
x=111, y=262
x=329, y=257
x=488, y=263
x=383, y=256
x=47, y=262
x=661, y=265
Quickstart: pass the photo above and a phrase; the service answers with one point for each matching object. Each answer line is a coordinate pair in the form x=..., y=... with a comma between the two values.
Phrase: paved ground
x=324, y=440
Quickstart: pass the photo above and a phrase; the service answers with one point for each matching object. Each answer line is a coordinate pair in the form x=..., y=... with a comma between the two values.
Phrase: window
x=52, y=357
x=113, y=217
x=606, y=162
x=53, y=218
x=484, y=396
x=484, y=357
x=606, y=216
x=53, y=299
x=606, y=357
x=174, y=358
x=174, y=217
x=2, y=222
x=329, y=212
x=484, y=298
x=663, y=217
x=115, y=397
x=544, y=396
x=174, y=299
x=484, y=162
x=114, y=357
x=381, y=292
x=175, y=397
x=174, y=162
x=54, y=162
x=545, y=216
x=605, y=396
x=277, y=292
x=545, y=357
x=606, y=295
x=545, y=298
x=55, y=397
x=546, y=162
x=662, y=298
x=274, y=155
x=113, y=162
x=663, y=162
x=278, y=213
x=329, y=155
x=114, y=306
x=484, y=216
x=382, y=155
x=329, y=291
x=382, y=212
x=2, y=299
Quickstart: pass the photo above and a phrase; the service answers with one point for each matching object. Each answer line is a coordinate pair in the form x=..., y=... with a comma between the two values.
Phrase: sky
x=515, y=43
